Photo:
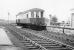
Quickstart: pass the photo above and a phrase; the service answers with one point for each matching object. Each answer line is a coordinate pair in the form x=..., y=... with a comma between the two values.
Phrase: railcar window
x=41, y=14
x=37, y=16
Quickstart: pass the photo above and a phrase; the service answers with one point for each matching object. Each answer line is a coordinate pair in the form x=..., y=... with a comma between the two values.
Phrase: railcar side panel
x=37, y=21
x=25, y=20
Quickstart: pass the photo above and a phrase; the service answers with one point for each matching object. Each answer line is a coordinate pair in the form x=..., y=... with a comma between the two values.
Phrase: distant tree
x=63, y=22
x=50, y=16
x=54, y=19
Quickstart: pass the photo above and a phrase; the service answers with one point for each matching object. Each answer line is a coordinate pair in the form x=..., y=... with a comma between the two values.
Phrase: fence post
x=63, y=30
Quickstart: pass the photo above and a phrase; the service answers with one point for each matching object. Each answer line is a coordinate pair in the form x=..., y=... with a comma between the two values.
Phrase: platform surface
x=4, y=39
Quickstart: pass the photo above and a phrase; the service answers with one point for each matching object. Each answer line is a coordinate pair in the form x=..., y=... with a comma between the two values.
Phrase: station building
x=72, y=18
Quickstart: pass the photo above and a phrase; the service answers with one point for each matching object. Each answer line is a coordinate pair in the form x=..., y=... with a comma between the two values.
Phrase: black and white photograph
x=36, y=24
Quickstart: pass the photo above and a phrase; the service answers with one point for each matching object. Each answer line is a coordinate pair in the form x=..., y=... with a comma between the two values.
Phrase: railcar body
x=32, y=18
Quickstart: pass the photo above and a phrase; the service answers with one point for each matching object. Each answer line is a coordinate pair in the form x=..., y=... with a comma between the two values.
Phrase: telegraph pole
x=8, y=17
x=16, y=18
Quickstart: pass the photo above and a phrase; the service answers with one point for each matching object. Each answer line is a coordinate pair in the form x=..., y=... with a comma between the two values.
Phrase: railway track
x=64, y=38
x=35, y=42
x=46, y=43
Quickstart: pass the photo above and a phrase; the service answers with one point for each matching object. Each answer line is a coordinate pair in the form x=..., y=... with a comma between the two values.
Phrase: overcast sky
x=60, y=8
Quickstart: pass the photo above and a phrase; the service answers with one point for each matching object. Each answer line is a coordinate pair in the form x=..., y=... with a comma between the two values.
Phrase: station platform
x=8, y=41
x=4, y=39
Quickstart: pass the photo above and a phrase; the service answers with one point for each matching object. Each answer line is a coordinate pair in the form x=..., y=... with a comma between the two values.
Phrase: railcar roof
x=35, y=9
x=31, y=10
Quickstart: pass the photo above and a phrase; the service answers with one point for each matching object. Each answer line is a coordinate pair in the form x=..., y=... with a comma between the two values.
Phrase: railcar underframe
x=32, y=26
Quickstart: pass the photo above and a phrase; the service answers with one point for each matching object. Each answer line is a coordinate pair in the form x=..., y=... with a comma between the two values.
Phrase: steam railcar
x=32, y=19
